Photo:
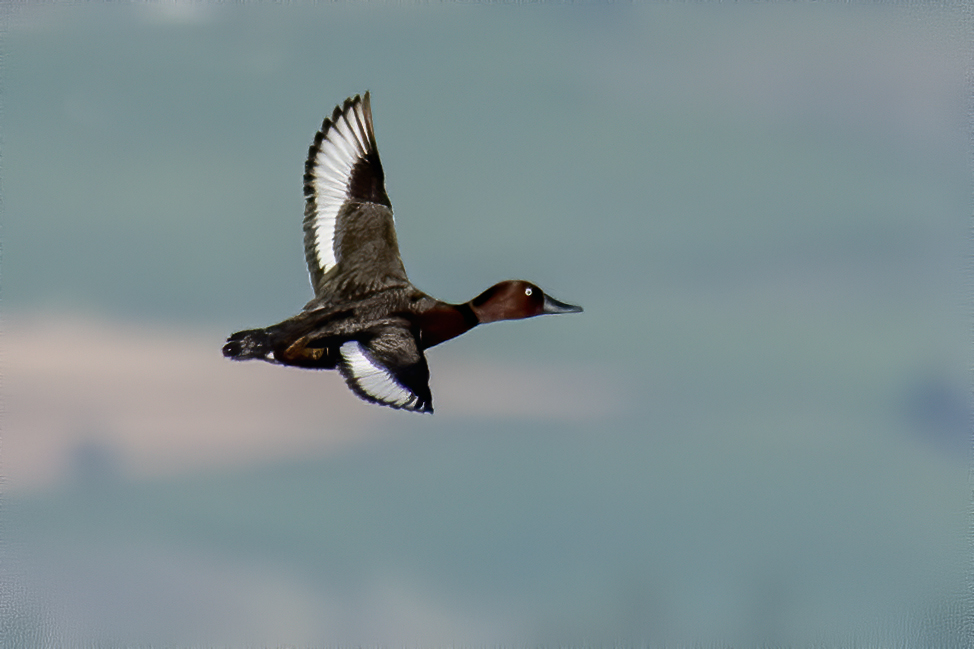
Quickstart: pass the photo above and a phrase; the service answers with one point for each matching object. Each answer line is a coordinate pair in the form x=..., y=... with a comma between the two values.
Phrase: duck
x=366, y=319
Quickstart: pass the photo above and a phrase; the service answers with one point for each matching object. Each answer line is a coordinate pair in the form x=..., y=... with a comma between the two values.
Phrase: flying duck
x=366, y=319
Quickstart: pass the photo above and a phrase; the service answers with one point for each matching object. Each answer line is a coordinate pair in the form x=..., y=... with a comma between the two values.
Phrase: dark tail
x=244, y=345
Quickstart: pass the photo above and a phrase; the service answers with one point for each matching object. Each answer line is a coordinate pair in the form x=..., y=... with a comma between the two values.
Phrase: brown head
x=516, y=299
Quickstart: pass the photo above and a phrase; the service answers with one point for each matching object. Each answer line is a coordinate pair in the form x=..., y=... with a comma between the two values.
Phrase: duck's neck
x=445, y=321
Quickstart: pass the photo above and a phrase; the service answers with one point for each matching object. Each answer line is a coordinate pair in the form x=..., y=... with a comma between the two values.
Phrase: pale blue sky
x=764, y=210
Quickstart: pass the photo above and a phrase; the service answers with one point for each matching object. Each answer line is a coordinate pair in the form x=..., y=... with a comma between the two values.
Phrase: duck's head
x=516, y=299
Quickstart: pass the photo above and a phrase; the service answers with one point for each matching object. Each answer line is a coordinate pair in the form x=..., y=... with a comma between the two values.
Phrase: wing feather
x=388, y=369
x=343, y=168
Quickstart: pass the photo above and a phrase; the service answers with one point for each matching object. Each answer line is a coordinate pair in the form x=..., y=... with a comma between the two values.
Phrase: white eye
x=528, y=291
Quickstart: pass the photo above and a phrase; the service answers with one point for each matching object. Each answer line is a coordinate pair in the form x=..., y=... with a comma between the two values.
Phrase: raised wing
x=349, y=234
x=387, y=368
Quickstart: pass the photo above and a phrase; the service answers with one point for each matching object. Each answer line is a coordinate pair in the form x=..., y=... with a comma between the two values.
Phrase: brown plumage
x=366, y=319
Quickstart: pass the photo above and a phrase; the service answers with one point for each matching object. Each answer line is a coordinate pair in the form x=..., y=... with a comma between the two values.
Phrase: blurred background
x=757, y=432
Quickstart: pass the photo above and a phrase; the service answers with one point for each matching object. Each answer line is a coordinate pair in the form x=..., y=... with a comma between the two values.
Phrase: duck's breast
x=443, y=321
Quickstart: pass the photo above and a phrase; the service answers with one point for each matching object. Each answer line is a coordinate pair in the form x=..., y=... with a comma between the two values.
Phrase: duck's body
x=366, y=319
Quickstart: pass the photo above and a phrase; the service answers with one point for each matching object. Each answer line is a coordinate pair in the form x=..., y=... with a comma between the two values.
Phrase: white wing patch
x=341, y=147
x=374, y=380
